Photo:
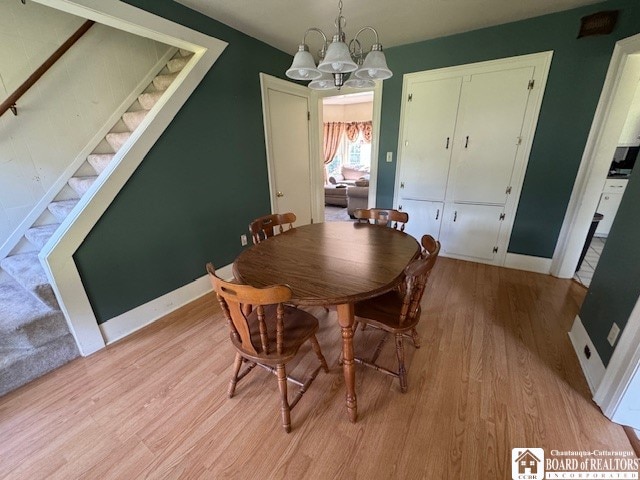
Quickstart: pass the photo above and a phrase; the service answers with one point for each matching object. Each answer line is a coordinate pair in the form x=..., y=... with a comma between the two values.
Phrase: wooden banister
x=10, y=102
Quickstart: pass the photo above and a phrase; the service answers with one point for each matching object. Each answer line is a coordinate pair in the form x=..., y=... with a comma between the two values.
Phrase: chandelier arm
x=375, y=32
x=314, y=29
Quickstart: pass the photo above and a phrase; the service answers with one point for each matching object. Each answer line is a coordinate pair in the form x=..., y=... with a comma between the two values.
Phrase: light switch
x=389, y=157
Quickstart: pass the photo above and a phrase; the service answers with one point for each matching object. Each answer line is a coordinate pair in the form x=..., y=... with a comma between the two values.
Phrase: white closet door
x=490, y=121
x=424, y=217
x=471, y=230
x=427, y=138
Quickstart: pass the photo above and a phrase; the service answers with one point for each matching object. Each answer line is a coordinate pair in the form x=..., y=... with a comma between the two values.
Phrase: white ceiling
x=282, y=23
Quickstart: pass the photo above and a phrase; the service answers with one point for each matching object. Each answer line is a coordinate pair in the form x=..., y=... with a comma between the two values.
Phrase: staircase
x=34, y=335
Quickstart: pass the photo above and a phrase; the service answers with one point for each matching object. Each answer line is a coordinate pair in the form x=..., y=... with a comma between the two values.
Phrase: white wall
x=61, y=113
x=355, y=112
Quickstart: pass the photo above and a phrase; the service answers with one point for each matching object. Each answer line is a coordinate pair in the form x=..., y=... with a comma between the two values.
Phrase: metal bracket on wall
x=14, y=109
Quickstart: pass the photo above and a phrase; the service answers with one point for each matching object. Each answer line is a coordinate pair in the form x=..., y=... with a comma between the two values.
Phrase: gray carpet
x=336, y=214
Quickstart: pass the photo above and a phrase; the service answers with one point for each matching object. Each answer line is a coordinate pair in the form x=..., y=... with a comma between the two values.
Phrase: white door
x=286, y=113
x=427, y=138
x=425, y=217
x=471, y=231
x=488, y=135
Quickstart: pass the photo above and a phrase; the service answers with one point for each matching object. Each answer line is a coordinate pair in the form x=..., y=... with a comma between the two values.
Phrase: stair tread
x=117, y=139
x=26, y=269
x=162, y=82
x=62, y=208
x=39, y=235
x=100, y=161
x=148, y=100
x=26, y=322
x=82, y=184
x=133, y=119
x=178, y=63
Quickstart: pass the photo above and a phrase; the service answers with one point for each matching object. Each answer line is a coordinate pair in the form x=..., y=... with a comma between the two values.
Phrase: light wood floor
x=495, y=371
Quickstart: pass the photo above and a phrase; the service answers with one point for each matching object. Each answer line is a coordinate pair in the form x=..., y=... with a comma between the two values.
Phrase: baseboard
x=592, y=367
x=133, y=320
x=58, y=185
x=528, y=263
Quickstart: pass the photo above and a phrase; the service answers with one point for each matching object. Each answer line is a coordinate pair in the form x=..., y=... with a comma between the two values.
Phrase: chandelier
x=337, y=59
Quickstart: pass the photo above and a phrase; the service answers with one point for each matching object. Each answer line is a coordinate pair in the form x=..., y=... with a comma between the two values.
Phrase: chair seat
x=300, y=326
x=384, y=312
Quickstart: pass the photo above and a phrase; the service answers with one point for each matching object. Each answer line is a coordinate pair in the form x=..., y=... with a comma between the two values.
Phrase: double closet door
x=464, y=141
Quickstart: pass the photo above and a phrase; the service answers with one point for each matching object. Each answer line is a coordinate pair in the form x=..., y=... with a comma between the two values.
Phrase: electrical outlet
x=243, y=240
x=389, y=157
x=613, y=334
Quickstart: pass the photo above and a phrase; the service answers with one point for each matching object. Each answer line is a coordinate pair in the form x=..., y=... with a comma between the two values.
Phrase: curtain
x=332, y=133
x=353, y=129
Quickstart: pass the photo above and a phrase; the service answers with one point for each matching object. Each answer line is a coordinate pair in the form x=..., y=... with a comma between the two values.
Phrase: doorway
x=615, y=183
x=614, y=390
x=347, y=126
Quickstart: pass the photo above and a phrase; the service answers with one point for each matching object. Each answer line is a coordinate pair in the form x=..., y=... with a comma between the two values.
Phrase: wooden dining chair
x=382, y=216
x=269, y=336
x=265, y=227
x=398, y=312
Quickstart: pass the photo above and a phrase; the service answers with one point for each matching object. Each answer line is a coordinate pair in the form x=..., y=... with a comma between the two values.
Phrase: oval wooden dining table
x=335, y=263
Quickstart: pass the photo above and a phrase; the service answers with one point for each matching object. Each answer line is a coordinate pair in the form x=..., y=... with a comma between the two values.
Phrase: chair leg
x=316, y=348
x=415, y=337
x=402, y=372
x=234, y=379
x=282, y=384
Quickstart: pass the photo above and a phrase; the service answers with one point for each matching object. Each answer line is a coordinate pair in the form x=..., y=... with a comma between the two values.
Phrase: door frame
x=317, y=97
x=605, y=131
x=624, y=364
x=269, y=82
x=541, y=62
x=603, y=137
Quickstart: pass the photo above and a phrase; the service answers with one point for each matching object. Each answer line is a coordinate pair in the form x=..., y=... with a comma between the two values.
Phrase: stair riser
x=44, y=359
x=45, y=329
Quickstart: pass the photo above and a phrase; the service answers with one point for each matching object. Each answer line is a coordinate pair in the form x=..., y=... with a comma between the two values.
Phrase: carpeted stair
x=34, y=334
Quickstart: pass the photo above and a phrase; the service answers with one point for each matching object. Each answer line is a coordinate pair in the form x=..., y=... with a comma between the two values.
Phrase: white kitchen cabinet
x=609, y=203
x=425, y=217
x=471, y=231
x=465, y=136
x=608, y=207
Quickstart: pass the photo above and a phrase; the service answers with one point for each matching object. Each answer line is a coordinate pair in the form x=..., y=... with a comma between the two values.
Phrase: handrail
x=10, y=102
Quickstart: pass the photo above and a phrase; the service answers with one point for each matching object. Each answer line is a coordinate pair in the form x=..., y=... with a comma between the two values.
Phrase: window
x=356, y=154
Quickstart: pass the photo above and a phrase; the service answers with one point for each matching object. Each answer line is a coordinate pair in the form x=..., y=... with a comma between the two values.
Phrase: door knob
x=279, y=194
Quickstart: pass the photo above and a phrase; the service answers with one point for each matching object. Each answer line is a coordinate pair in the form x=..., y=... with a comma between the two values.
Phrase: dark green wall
x=615, y=286
x=575, y=80
x=196, y=190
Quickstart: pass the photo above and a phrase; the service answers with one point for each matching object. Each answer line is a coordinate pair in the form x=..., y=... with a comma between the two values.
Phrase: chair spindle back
x=233, y=297
x=264, y=227
x=382, y=216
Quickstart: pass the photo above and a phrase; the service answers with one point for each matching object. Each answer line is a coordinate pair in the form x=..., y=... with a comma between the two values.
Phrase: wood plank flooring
x=496, y=371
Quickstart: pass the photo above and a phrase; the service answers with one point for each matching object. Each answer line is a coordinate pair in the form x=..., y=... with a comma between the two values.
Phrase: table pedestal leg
x=345, y=318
